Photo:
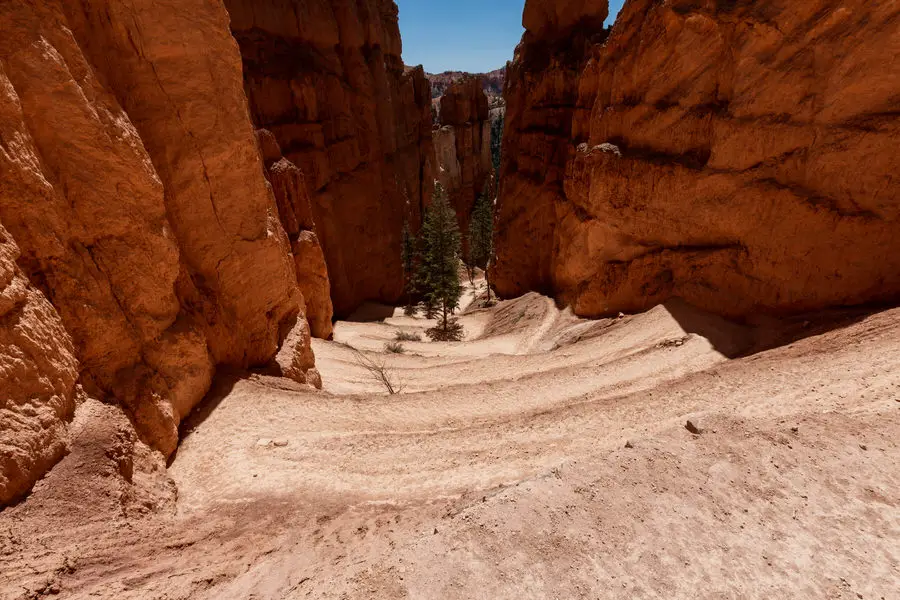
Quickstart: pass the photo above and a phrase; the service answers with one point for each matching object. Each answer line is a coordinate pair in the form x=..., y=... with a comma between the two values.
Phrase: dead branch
x=380, y=371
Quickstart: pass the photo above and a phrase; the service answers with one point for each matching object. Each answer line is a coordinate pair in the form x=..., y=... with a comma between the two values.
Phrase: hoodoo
x=741, y=155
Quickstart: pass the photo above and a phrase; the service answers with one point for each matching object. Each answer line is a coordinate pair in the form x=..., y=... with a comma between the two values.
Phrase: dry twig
x=380, y=371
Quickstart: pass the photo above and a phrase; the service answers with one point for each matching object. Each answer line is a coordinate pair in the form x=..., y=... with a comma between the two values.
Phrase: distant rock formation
x=492, y=83
x=462, y=143
x=326, y=78
x=741, y=155
x=142, y=247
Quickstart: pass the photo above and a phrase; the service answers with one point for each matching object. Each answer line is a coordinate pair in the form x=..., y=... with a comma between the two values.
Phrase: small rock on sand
x=693, y=426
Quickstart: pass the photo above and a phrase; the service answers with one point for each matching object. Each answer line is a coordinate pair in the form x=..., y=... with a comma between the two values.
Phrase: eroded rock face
x=295, y=210
x=38, y=370
x=326, y=78
x=541, y=95
x=462, y=145
x=133, y=187
x=738, y=154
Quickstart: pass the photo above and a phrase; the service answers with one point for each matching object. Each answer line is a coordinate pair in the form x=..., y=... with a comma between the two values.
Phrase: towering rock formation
x=541, y=92
x=140, y=235
x=462, y=144
x=739, y=154
x=295, y=212
x=326, y=78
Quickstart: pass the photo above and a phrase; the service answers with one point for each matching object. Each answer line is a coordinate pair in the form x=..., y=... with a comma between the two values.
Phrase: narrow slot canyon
x=546, y=299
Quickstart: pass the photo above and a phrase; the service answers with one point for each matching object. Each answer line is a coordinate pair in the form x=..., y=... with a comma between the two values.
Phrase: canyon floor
x=545, y=457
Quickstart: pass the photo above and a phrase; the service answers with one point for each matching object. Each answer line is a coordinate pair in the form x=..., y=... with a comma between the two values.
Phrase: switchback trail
x=544, y=457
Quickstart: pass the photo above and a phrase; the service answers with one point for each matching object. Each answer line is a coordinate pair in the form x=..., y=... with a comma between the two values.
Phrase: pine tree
x=409, y=257
x=422, y=282
x=440, y=265
x=497, y=142
x=481, y=237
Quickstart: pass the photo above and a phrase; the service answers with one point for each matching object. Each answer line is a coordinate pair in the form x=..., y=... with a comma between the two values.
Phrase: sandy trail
x=502, y=471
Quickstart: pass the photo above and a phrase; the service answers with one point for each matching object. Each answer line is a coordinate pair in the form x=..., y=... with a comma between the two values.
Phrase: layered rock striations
x=740, y=155
x=462, y=145
x=149, y=244
x=326, y=78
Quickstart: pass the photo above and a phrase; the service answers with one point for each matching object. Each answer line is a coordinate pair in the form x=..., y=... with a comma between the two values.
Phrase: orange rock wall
x=133, y=188
x=741, y=155
x=326, y=78
x=541, y=95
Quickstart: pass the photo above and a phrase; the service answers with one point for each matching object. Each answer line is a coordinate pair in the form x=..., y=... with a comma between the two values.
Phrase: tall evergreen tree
x=440, y=264
x=409, y=257
x=481, y=237
x=497, y=142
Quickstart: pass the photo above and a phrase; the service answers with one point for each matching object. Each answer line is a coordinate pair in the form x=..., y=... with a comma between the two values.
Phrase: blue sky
x=463, y=35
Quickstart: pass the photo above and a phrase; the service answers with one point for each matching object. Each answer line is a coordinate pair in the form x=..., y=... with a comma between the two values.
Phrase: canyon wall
x=541, y=94
x=741, y=155
x=462, y=145
x=326, y=78
x=142, y=245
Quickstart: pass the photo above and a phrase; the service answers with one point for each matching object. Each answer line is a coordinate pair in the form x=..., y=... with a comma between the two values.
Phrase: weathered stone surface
x=326, y=78
x=462, y=144
x=295, y=359
x=295, y=211
x=751, y=160
x=541, y=94
x=38, y=370
x=312, y=277
x=132, y=184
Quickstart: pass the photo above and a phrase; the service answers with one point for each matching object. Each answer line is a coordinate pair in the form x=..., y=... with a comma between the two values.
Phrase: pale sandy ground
x=502, y=471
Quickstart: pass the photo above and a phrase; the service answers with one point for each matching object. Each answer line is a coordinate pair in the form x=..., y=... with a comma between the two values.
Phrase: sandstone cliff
x=741, y=155
x=462, y=145
x=133, y=192
x=326, y=78
x=541, y=92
